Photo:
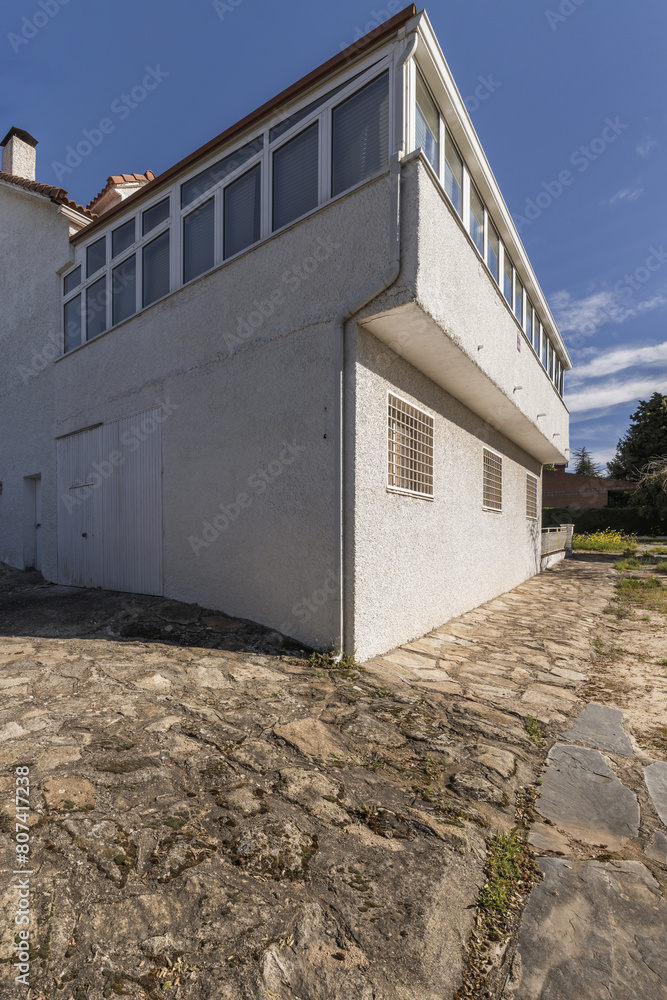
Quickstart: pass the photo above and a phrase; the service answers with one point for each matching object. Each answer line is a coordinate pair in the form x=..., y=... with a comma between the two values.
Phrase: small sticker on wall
x=518, y=342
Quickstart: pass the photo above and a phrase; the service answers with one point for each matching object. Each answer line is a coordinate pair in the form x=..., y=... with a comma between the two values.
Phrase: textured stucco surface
x=249, y=384
x=455, y=289
x=242, y=379
x=419, y=562
x=29, y=340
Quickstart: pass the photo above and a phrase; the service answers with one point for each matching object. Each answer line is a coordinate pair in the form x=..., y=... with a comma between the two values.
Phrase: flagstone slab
x=602, y=728
x=591, y=931
x=655, y=777
x=657, y=849
x=582, y=795
x=547, y=838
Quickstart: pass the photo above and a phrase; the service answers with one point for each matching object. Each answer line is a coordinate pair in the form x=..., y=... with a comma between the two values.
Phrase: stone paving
x=593, y=928
x=230, y=824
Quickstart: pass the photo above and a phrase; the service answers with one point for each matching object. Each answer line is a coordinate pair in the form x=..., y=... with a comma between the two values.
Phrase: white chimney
x=18, y=154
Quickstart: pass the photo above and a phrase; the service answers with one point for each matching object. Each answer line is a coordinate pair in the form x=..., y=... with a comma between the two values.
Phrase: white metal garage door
x=110, y=505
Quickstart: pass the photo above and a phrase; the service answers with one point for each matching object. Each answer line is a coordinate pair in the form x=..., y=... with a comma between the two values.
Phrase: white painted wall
x=233, y=405
x=35, y=244
x=418, y=562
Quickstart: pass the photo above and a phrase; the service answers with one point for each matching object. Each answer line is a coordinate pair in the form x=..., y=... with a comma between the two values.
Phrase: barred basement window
x=531, y=496
x=493, y=481
x=410, y=451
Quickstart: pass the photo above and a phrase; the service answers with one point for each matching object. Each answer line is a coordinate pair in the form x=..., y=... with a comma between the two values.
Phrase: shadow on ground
x=31, y=607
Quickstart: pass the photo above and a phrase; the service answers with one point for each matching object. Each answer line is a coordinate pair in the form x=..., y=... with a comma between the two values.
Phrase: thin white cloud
x=587, y=315
x=603, y=456
x=620, y=359
x=647, y=144
x=612, y=393
x=625, y=194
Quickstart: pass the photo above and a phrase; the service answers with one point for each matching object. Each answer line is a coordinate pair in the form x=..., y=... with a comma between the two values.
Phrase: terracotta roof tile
x=121, y=179
x=56, y=194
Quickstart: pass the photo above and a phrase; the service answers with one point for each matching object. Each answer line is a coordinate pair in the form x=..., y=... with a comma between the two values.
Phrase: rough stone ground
x=213, y=818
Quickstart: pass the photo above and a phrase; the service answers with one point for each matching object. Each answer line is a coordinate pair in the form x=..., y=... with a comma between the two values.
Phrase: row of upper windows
x=434, y=138
x=258, y=189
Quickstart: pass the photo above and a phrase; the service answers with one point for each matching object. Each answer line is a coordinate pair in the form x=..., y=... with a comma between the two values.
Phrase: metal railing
x=557, y=539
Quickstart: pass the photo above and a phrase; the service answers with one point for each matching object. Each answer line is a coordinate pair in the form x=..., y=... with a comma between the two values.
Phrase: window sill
x=410, y=493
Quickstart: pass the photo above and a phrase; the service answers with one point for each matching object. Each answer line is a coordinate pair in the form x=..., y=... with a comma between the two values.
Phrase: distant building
x=567, y=489
x=307, y=375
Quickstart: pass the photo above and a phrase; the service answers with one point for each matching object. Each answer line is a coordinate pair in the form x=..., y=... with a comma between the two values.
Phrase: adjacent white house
x=306, y=376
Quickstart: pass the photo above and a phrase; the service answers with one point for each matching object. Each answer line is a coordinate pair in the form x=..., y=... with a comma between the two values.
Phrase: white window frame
x=420, y=409
x=355, y=79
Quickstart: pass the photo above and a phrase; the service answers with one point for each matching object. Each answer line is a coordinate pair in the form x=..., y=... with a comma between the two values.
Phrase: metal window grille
x=410, y=455
x=531, y=496
x=493, y=481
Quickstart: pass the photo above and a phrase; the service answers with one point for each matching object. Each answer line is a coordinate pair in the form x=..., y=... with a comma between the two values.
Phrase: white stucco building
x=306, y=376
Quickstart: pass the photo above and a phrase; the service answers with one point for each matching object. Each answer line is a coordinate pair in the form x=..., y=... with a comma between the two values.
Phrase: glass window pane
x=124, y=289
x=96, y=308
x=453, y=174
x=545, y=341
x=361, y=135
x=507, y=279
x=518, y=300
x=529, y=320
x=156, y=269
x=296, y=177
x=96, y=256
x=122, y=238
x=198, y=241
x=493, y=252
x=72, y=280
x=73, y=323
x=427, y=124
x=208, y=178
x=536, y=334
x=476, y=219
x=243, y=212
x=287, y=123
x=152, y=217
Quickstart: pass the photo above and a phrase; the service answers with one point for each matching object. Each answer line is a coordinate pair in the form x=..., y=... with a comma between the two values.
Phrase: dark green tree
x=650, y=497
x=645, y=441
x=584, y=464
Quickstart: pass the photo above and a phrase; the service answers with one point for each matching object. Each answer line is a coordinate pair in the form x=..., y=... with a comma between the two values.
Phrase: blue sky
x=562, y=71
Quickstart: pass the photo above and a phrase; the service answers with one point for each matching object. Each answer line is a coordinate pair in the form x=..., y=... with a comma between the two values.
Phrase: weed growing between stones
x=511, y=871
x=345, y=666
x=535, y=730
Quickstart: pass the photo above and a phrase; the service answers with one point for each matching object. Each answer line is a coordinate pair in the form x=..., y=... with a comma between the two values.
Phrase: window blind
x=199, y=241
x=124, y=290
x=152, y=217
x=296, y=177
x=208, y=178
x=156, y=269
x=73, y=323
x=242, y=212
x=96, y=256
x=122, y=238
x=361, y=135
x=96, y=308
x=427, y=123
